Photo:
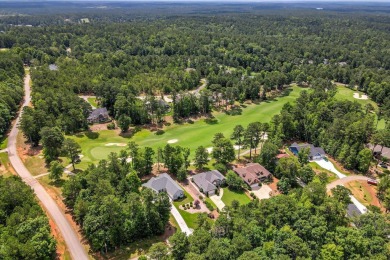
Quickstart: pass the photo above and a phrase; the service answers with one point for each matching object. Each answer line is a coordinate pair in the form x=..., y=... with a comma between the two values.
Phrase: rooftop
x=207, y=180
x=163, y=182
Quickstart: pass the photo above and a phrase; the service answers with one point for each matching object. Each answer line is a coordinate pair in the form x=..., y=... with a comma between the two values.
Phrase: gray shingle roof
x=206, y=180
x=353, y=211
x=313, y=150
x=97, y=112
x=163, y=182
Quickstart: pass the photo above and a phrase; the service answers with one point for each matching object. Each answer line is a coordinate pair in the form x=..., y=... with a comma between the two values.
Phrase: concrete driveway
x=217, y=199
x=263, y=192
x=330, y=167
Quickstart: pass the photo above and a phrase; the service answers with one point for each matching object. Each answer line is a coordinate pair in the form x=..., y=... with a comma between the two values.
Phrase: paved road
x=75, y=248
x=179, y=219
x=346, y=180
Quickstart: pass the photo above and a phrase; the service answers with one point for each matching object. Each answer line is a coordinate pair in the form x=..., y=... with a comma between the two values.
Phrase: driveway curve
x=345, y=180
x=76, y=249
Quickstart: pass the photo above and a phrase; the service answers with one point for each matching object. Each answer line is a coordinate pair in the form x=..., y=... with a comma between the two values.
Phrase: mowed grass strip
x=193, y=135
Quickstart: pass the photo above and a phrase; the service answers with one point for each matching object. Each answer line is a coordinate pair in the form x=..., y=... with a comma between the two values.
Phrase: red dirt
x=274, y=186
x=372, y=190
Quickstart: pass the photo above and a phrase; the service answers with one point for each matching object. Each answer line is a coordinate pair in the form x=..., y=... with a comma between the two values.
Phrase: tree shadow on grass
x=58, y=184
x=236, y=111
x=92, y=135
x=211, y=121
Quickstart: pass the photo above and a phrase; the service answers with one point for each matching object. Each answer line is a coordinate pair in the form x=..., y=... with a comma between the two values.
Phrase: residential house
x=380, y=151
x=208, y=182
x=315, y=153
x=164, y=183
x=98, y=115
x=253, y=174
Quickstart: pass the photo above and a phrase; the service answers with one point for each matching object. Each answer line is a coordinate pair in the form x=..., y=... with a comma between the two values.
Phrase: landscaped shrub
x=200, y=197
x=111, y=126
x=190, y=121
x=253, y=195
x=209, y=206
x=159, y=132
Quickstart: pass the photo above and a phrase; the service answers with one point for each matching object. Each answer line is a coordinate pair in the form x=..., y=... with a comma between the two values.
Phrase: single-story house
x=98, y=115
x=380, y=151
x=315, y=153
x=208, y=182
x=164, y=183
x=253, y=173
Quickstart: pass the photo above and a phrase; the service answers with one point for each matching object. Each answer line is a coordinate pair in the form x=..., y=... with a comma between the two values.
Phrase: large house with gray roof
x=98, y=115
x=315, y=153
x=164, y=183
x=208, y=182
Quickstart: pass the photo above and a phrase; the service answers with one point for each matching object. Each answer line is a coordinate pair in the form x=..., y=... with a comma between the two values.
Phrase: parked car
x=372, y=182
x=383, y=165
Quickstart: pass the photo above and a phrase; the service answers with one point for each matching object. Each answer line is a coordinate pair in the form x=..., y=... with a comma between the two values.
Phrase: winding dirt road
x=75, y=248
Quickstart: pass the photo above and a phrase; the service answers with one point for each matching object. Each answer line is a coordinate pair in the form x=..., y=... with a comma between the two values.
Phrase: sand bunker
x=115, y=144
x=172, y=141
x=357, y=96
x=209, y=149
x=236, y=147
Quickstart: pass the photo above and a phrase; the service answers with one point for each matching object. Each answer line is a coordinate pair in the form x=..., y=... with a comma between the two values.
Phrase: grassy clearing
x=3, y=143
x=5, y=167
x=229, y=196
x=318, y=169
x=93, y=101
x=362, y=194
x=193, y=135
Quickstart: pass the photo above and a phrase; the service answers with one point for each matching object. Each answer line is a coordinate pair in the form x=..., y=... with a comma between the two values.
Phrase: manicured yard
x=230, y=195
x=92, y=101
x=185, y=200
x=362, y=193
x=318, y=169
x=193, y=135
x=191, y=218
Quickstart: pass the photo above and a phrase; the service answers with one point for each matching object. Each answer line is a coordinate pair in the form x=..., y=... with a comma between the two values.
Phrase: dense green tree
x=52, y=140
x=234, y=181
x=56, y=170
x=342, y=194
x=72, y=150
x=180, y=245
x=158, y=251
x=238, y=137
x=223, y=150
x=201, y=157
x=124, y=122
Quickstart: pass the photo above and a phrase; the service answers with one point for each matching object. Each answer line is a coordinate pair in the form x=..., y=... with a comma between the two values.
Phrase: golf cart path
x=343, y=179
x=76, y=249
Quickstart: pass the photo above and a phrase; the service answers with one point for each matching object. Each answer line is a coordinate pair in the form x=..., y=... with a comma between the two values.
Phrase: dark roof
x=378, y=148
x=163, y=182
x=206, y=180
x=313, y=150
x=252, y=172
x=353, y=211
x=97, y=112
x=53, y=67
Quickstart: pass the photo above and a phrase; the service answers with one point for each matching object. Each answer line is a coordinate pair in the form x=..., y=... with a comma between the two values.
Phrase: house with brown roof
x=253, y=174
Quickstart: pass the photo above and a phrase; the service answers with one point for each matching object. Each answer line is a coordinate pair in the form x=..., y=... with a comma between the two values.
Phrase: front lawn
x=230, y=195
x=185, y=200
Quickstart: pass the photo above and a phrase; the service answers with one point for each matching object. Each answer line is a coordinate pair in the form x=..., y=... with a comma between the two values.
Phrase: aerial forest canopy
x=11, y=88
x=242, y=57
x=24, y=228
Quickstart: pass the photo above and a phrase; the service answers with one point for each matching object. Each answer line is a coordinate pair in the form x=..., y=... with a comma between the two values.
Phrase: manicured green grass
x=185, y=200
x=317, y=168
x=3, y=143
x=230, y=195
x=92, y=101
x=193, y=135
x=191, y=218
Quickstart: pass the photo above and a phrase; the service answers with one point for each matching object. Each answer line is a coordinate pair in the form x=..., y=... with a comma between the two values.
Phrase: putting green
x=193, y=135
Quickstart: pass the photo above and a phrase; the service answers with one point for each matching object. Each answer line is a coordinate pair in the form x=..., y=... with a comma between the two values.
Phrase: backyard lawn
x=229, y=196
x=5, y=168
x=98, y=145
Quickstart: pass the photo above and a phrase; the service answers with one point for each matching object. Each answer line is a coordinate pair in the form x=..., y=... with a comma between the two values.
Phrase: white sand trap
x=172, y=141
x=209, y=149
x=236, y=147
x=115, y=144
x=357, y=96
